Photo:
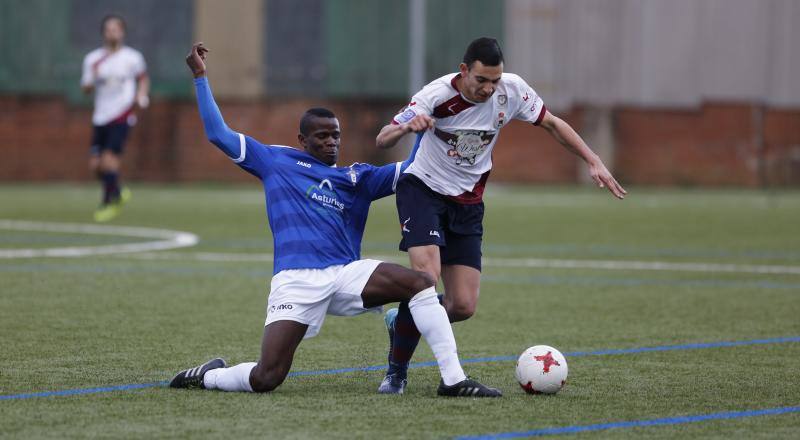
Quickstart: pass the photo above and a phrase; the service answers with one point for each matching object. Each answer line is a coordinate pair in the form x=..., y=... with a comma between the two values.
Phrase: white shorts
x=307, y=295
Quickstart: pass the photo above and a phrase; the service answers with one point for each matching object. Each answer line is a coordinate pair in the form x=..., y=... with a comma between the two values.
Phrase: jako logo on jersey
x=434, y=234
x=325, y=198
x=281, y=307
x=303, y=164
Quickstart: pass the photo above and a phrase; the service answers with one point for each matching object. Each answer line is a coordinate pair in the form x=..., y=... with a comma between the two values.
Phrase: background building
x=668, y=91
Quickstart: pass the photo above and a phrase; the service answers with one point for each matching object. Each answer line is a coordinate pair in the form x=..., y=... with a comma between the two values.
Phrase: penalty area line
x=608, y=352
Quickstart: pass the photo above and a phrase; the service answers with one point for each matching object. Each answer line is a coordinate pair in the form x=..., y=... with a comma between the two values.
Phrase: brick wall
x=45, y=139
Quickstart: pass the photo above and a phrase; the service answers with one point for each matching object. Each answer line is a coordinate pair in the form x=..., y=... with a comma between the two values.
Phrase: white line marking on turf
x=641, y=265
x=165, y=239
x=515, y=262
x=213, y=257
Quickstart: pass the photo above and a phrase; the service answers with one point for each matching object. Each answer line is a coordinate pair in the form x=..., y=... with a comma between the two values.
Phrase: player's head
x=113, y=29
x=481, y=69
x=320, y=135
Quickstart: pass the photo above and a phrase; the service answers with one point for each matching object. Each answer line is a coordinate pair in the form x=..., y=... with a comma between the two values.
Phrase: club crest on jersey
x=467, y=144
x=353, y=175
x=502, y=99
x=324, y=198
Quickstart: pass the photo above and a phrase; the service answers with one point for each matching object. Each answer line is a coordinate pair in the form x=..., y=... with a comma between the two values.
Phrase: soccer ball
x=541, y=370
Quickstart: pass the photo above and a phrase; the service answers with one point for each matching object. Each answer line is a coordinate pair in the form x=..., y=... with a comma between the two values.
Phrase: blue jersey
x=317, y=212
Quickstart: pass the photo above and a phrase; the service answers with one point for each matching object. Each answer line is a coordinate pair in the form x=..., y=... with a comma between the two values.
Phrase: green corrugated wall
x=364, y=43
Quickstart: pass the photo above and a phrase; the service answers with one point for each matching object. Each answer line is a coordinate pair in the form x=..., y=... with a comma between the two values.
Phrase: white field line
x=214, y=257
x=641, y=265
x=165, y=239
x=168, y=239
x=513, y=262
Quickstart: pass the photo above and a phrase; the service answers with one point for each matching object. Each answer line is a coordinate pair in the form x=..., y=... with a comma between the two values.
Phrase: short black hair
x=110, y=17
x=486, y=50
x=315, y=112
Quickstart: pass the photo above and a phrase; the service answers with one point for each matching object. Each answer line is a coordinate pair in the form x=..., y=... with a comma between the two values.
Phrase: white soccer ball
x=541, y=370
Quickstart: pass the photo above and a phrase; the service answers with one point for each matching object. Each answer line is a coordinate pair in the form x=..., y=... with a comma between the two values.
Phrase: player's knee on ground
x=266, y=379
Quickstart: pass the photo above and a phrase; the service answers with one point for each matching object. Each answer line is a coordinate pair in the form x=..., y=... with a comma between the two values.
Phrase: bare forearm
x=571, y=140
x=566, y=136
x=143, y=88
x=390, y=134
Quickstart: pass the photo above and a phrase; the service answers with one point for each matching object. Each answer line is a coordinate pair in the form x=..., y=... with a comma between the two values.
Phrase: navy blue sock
x=406, y=339
x=110, y=187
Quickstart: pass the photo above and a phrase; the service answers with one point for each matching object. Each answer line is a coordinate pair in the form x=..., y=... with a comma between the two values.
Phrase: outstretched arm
x=566, y=136
x=217, y=131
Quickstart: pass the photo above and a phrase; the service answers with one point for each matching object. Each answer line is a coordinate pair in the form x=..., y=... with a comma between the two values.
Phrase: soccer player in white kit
x=457, y=119
x=117, y=75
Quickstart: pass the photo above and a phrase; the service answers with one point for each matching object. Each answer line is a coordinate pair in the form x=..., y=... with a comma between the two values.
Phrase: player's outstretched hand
x=420, y=123
x=604, y=179
x=196, y=60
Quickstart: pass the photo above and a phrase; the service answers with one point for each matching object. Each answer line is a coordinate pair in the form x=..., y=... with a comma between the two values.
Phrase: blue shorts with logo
x=109, y=137
x=427, y=217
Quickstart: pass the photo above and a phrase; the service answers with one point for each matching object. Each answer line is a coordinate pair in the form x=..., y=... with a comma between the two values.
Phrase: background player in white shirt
x=117, y=75
x=457, y=119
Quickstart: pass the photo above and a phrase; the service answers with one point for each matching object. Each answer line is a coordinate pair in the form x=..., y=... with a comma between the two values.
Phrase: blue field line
x=133, y=386
x=696, y=346
x=635, y=423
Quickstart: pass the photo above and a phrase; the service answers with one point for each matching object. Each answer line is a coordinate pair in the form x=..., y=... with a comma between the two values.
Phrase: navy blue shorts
x=109, y=137
x=427, y=217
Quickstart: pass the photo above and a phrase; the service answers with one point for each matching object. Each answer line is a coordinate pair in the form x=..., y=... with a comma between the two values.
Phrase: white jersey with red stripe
x=455, y=157
x=114, y=76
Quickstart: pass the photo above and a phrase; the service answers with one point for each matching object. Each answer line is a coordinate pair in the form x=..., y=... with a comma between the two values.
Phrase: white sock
x=235, y=378
x=431, y=320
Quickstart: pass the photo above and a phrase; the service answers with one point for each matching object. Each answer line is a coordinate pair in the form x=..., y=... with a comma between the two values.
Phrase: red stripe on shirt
x=123, y=118
x=454, y=105
x=451, y=107
x=476, y=195
x=97, y=63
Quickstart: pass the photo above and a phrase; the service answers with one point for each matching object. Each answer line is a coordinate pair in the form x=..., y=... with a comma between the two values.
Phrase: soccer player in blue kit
x=317, y=212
